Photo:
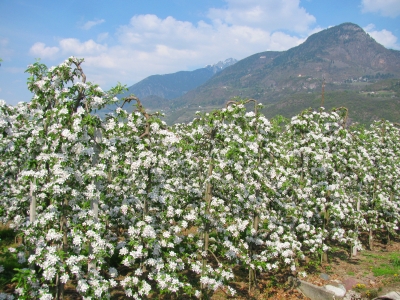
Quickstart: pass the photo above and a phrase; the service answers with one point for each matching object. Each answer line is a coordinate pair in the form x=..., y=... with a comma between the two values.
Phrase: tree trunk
x=208, y=196
x=353, y=250
x=32, y=207
x=371, y=240
x=94, y=204
x=324, y=255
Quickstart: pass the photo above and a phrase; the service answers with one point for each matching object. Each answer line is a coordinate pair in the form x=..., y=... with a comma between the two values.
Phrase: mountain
x=155, y=91
x=345, y=57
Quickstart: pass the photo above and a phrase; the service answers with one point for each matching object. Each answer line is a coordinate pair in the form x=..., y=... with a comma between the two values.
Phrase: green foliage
x=8, y=260
x=21, y=278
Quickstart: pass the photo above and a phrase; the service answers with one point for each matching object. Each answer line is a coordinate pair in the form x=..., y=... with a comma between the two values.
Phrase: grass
x=395, y=259
x=385, y=270
x=385, y=267
x=389, y=264
x=373, y=255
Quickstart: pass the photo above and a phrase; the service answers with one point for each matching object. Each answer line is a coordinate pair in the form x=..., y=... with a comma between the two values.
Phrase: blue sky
x=127, y=40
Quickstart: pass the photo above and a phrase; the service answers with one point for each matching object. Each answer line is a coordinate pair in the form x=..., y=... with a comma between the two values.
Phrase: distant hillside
x=345, y=56
x=156, y=90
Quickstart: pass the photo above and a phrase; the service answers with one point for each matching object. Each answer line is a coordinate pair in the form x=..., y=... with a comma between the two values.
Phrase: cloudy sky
x=127, y=40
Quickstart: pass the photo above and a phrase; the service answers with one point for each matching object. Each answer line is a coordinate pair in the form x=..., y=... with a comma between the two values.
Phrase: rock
x=349, y=283
x=316, y=292
x=390, y=296
x=341, y=286
x=324, y=276
x=351, y=295
x=371, y=282
x=336, y=290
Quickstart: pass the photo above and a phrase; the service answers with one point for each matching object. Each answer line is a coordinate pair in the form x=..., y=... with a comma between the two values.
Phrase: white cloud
x=102, y=36
x=90, y=24
x=384, y=37
x=269, y=15
x=75, y=47
x=40, y=50
x=150, y=45
x=388, y=8
x=67, y=47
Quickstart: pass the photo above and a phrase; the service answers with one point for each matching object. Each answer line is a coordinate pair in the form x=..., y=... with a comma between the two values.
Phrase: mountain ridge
x=335, y=54
x=343, y=58
x=155, y=89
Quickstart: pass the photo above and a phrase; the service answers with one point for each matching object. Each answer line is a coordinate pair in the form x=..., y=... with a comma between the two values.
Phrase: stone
x=349, y=283
x=324, y=276
x=341, y=286
x=351, y=295
x=390, y=296
x=316, y=292
x=336, y=290
x=371, y=282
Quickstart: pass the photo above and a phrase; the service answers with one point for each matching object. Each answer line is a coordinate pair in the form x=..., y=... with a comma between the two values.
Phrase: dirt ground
x=358, y=270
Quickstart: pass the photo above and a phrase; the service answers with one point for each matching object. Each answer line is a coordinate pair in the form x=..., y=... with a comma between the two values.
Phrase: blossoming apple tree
x=126, y=202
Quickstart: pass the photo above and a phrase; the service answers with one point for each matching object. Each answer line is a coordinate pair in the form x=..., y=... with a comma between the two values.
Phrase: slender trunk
x=32, y=215
x=353, y=250
x=32, y=210
x=371, y=240
x=324, y=255
x=146, y=208
x=208, y=197
x=256, y=222
x=252, y=272
x=94, y=204
x=388, y=231
x=32, y=207
x=148, y=191
x=371, y=233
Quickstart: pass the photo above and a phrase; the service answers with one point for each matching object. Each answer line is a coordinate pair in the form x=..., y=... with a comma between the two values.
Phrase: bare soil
x=340, y=268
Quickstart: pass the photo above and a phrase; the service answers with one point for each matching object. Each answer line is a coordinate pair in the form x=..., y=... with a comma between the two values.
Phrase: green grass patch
x=395, y=259
x=373, y=255
x=386, y=270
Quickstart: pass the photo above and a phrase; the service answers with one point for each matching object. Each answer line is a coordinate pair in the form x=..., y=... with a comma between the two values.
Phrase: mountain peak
x=331, y=51
x=340, y=34
x=169, y=86
x=339, y=54
x=219, y=66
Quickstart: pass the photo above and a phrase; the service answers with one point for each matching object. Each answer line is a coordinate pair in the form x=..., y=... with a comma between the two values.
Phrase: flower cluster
x=127, y=202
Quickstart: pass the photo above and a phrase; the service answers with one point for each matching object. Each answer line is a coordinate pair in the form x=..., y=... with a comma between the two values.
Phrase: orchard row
x=128, y=202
